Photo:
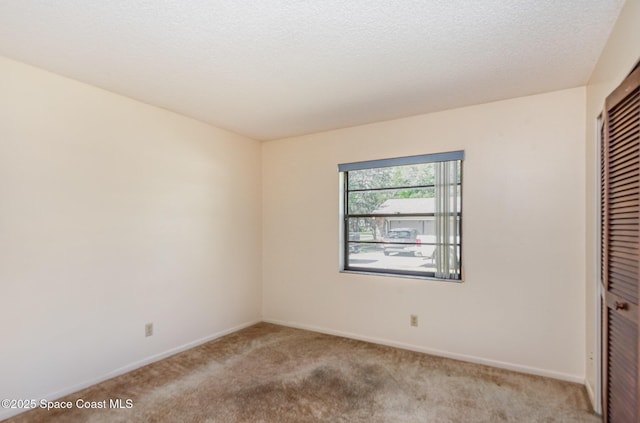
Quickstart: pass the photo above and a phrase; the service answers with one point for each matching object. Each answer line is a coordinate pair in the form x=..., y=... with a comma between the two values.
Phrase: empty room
x=319, y=211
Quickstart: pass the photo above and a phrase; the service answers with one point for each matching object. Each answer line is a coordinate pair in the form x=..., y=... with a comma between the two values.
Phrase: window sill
x=400, y=275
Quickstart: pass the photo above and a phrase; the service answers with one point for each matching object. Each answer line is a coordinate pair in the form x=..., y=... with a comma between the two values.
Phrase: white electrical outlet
x=414, y=320
x=148, y=329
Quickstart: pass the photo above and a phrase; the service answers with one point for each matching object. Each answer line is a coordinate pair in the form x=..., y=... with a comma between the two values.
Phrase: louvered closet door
x=620, y=236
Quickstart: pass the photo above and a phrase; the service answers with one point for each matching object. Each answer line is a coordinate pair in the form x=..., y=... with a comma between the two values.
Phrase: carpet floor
x=269, y=373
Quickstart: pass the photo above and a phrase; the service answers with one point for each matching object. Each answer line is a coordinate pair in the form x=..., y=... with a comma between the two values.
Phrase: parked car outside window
x=395, y=238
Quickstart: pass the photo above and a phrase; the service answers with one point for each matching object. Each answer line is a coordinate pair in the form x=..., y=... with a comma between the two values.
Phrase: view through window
x=403, y=216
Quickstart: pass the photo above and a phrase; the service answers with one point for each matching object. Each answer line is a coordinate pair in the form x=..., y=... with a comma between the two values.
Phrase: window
x=403, y=216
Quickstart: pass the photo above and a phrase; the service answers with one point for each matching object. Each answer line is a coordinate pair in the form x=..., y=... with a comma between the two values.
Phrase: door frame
x=598, y=288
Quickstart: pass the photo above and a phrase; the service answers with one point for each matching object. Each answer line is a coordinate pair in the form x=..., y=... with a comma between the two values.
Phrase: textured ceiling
x=273, y=69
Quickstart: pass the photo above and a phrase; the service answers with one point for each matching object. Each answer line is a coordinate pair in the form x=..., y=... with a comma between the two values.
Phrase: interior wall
x=115, y=214
x=521, y=305
x=620, y=54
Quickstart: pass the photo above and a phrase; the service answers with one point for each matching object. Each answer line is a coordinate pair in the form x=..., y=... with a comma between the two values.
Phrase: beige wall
x=616, y=61
x=522, y=304
x=114, y=214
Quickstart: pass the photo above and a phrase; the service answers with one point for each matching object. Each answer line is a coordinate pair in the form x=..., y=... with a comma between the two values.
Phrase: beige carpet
x=269, y=373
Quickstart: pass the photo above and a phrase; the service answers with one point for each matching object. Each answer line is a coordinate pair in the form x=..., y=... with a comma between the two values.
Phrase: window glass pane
x=388, y=177
x=363, y=247
x=398, y=257
x=394, y=201
x=367, y=257
x=364, y=229
x=375, y=229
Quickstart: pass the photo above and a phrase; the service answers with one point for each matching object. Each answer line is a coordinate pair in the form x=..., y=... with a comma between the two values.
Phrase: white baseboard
x=6, y=413
x=462, y=357
x=595, y=402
